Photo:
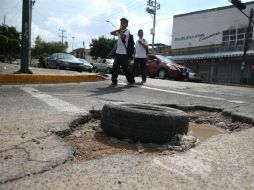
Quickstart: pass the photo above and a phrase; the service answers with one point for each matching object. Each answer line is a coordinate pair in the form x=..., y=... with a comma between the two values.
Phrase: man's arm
x=115, y=32
x=143, y=44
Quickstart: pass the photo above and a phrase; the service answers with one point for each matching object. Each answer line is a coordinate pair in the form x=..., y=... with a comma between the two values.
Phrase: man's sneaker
x=113, y=84
x=131, y=83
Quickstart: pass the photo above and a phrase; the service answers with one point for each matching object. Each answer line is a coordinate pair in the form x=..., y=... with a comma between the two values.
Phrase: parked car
x=64, y=61
x=87, y=66
x=158, y=65
x=192, y=76
x=103, y=65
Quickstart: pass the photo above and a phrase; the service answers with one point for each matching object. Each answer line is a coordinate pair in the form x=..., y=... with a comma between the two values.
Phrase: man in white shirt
x=121, y=58
x=141, y=49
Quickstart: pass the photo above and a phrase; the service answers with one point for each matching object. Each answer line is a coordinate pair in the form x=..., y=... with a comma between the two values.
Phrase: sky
x=84, y=20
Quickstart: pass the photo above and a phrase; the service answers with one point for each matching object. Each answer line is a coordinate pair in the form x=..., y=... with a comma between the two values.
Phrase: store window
x=234, y=38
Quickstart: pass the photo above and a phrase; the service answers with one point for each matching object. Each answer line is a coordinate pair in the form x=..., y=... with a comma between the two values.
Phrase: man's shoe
x=131, y=83
x=143, y=81
x=113, y=84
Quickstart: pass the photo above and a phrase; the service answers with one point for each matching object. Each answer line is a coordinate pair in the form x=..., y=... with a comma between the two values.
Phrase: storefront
x=211, y=42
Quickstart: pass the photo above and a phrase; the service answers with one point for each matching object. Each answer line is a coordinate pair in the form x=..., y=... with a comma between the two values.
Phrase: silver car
x=103, y=65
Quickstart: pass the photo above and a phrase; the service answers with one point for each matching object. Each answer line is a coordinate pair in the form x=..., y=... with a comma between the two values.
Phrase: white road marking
x=56, y=103
x=175, y=171
x=187, y=94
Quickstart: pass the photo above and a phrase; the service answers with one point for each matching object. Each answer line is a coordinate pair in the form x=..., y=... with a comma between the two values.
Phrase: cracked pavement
x=34, y=156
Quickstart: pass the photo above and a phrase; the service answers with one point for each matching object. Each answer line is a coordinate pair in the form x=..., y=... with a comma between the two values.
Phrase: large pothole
x=91, y=142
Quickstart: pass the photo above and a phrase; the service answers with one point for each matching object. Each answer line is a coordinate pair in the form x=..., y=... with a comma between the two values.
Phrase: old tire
x=141, y=122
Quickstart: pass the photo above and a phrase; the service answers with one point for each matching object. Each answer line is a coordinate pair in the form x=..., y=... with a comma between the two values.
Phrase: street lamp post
x=111, y=24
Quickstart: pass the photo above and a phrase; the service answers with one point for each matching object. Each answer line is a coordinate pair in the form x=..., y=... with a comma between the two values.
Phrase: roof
x=212, y=55
x=210, y=10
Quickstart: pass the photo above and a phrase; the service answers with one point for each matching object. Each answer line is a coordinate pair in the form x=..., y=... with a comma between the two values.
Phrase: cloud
x=45, y=34
x=79, y=20
x=54, y=21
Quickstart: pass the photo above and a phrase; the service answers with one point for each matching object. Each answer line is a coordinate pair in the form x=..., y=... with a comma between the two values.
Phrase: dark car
x=158, y=65
x=64, y=61
x=87, y=66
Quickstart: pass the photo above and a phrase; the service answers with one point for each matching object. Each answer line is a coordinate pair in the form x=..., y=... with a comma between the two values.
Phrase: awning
x=211, y=55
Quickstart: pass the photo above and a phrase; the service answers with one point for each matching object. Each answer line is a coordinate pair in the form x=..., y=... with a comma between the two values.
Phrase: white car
x=192, y=76
x=103, y=65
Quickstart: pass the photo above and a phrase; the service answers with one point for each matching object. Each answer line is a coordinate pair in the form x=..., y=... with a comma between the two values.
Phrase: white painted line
x=56, y=103
x=187, y=94
x=175, y=171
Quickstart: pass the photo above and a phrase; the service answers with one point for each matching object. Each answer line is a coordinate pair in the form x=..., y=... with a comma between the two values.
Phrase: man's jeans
x=121, y=60
x=139, y=63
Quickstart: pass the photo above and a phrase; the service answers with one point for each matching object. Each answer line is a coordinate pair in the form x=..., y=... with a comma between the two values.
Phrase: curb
x=40, y=78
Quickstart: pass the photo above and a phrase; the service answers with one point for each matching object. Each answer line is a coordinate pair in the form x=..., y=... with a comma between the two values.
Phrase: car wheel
x=108, y=71
x=162, y=74
x=95, y=70
x=142, y=122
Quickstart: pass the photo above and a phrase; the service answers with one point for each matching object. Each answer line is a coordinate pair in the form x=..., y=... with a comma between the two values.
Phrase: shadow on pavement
x=108, y=90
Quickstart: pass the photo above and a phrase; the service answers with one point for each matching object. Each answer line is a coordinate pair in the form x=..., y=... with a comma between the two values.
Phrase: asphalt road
x=33, y=156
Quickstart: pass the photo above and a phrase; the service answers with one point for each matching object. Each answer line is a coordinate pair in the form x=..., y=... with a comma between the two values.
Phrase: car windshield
x=164, y=59
x=67, y=56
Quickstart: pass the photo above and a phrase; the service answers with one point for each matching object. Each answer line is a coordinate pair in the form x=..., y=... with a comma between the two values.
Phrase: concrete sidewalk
x=41, y=75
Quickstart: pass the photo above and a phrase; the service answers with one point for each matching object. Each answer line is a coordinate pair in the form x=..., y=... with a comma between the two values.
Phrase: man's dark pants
x=121, y=60
x=139, y=62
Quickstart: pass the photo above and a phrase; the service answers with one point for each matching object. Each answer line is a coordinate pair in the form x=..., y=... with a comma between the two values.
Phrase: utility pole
x=241, y=6
x=246, y=43
x=4, y=20
x=26, y=37
x=151, y=9
x=84, y=46
x=62, y=36
x=72, y=42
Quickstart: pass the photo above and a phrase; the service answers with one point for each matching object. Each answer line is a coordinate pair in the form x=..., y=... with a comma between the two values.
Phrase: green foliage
x=3, y=44
x=10, y=32
x=2, y=58
x=101, y=47
x=13, y=47
x=44, y=49
x=9, y=42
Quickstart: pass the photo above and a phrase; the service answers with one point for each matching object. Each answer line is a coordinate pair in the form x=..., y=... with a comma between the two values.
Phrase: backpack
x=130, y=48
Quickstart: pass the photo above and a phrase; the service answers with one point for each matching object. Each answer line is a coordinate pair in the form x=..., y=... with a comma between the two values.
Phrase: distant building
x=161, y=49
x=211, y=42
x=83, y=54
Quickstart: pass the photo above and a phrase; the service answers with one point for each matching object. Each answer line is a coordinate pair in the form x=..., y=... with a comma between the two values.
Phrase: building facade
x=211, y=42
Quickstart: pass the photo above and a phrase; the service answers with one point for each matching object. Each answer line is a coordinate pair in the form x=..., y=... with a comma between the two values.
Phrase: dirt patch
x=91, y=142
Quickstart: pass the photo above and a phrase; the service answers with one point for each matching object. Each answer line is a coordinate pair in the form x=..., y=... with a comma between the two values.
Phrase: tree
x=13, y=48
x=3, y=44
x=10, y=32
x=101, y=47
x=9, y=42
x=43, y=48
